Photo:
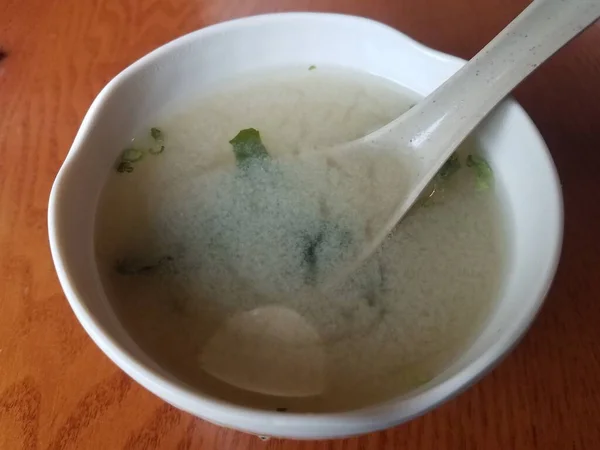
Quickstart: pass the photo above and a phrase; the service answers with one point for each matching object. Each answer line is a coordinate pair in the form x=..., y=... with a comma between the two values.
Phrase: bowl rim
x=289, y=424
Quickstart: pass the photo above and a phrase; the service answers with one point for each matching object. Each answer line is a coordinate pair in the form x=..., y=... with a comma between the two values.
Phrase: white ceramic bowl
x=524, y=173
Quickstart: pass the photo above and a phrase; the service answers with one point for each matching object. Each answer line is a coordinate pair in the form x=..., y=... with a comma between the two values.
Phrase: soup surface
x=214, y=245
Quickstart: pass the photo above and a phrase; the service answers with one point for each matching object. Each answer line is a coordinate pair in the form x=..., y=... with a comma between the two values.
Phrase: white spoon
x=430, y=132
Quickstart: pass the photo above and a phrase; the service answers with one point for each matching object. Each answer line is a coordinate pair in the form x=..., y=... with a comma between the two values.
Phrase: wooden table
x=58, y=391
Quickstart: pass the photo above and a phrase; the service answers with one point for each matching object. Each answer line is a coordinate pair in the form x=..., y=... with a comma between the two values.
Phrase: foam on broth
x=222, y=294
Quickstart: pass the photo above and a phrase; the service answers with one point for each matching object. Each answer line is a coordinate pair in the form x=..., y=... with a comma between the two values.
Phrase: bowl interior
x=524, y=173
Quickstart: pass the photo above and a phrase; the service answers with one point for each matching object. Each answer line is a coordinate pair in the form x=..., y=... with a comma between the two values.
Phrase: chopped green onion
x=483, y=171
x=131, y=155
x=159, y=141
x=449, y=167
x=124, y=167
x=156, y=134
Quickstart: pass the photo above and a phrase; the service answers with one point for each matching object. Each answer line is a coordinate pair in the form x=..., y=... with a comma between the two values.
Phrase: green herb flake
x=159, y=141
x=248, y=147
x=483, y=171
x=134, y=267
x=156, y=134
x=131, y=155
x=124, y=167
x=309, y=254
x=449, y=167
x=313, y=67
x=312, y=244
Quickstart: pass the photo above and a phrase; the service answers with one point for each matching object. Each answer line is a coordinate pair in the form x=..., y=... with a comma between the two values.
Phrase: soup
x=223, y=222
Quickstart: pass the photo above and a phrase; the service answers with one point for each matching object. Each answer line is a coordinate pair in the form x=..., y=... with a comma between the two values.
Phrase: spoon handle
x=439, y=123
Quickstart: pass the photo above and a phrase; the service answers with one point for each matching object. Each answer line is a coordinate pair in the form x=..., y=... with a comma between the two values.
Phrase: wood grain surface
x=58, y=391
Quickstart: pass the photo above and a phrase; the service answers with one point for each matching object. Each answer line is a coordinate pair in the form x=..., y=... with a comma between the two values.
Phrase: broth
x=215, y=267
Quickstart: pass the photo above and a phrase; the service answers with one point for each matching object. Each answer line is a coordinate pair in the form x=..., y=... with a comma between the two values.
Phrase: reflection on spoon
x=271, y=350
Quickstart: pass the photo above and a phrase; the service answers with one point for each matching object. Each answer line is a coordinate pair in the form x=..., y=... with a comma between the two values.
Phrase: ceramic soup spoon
x=428, y=134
